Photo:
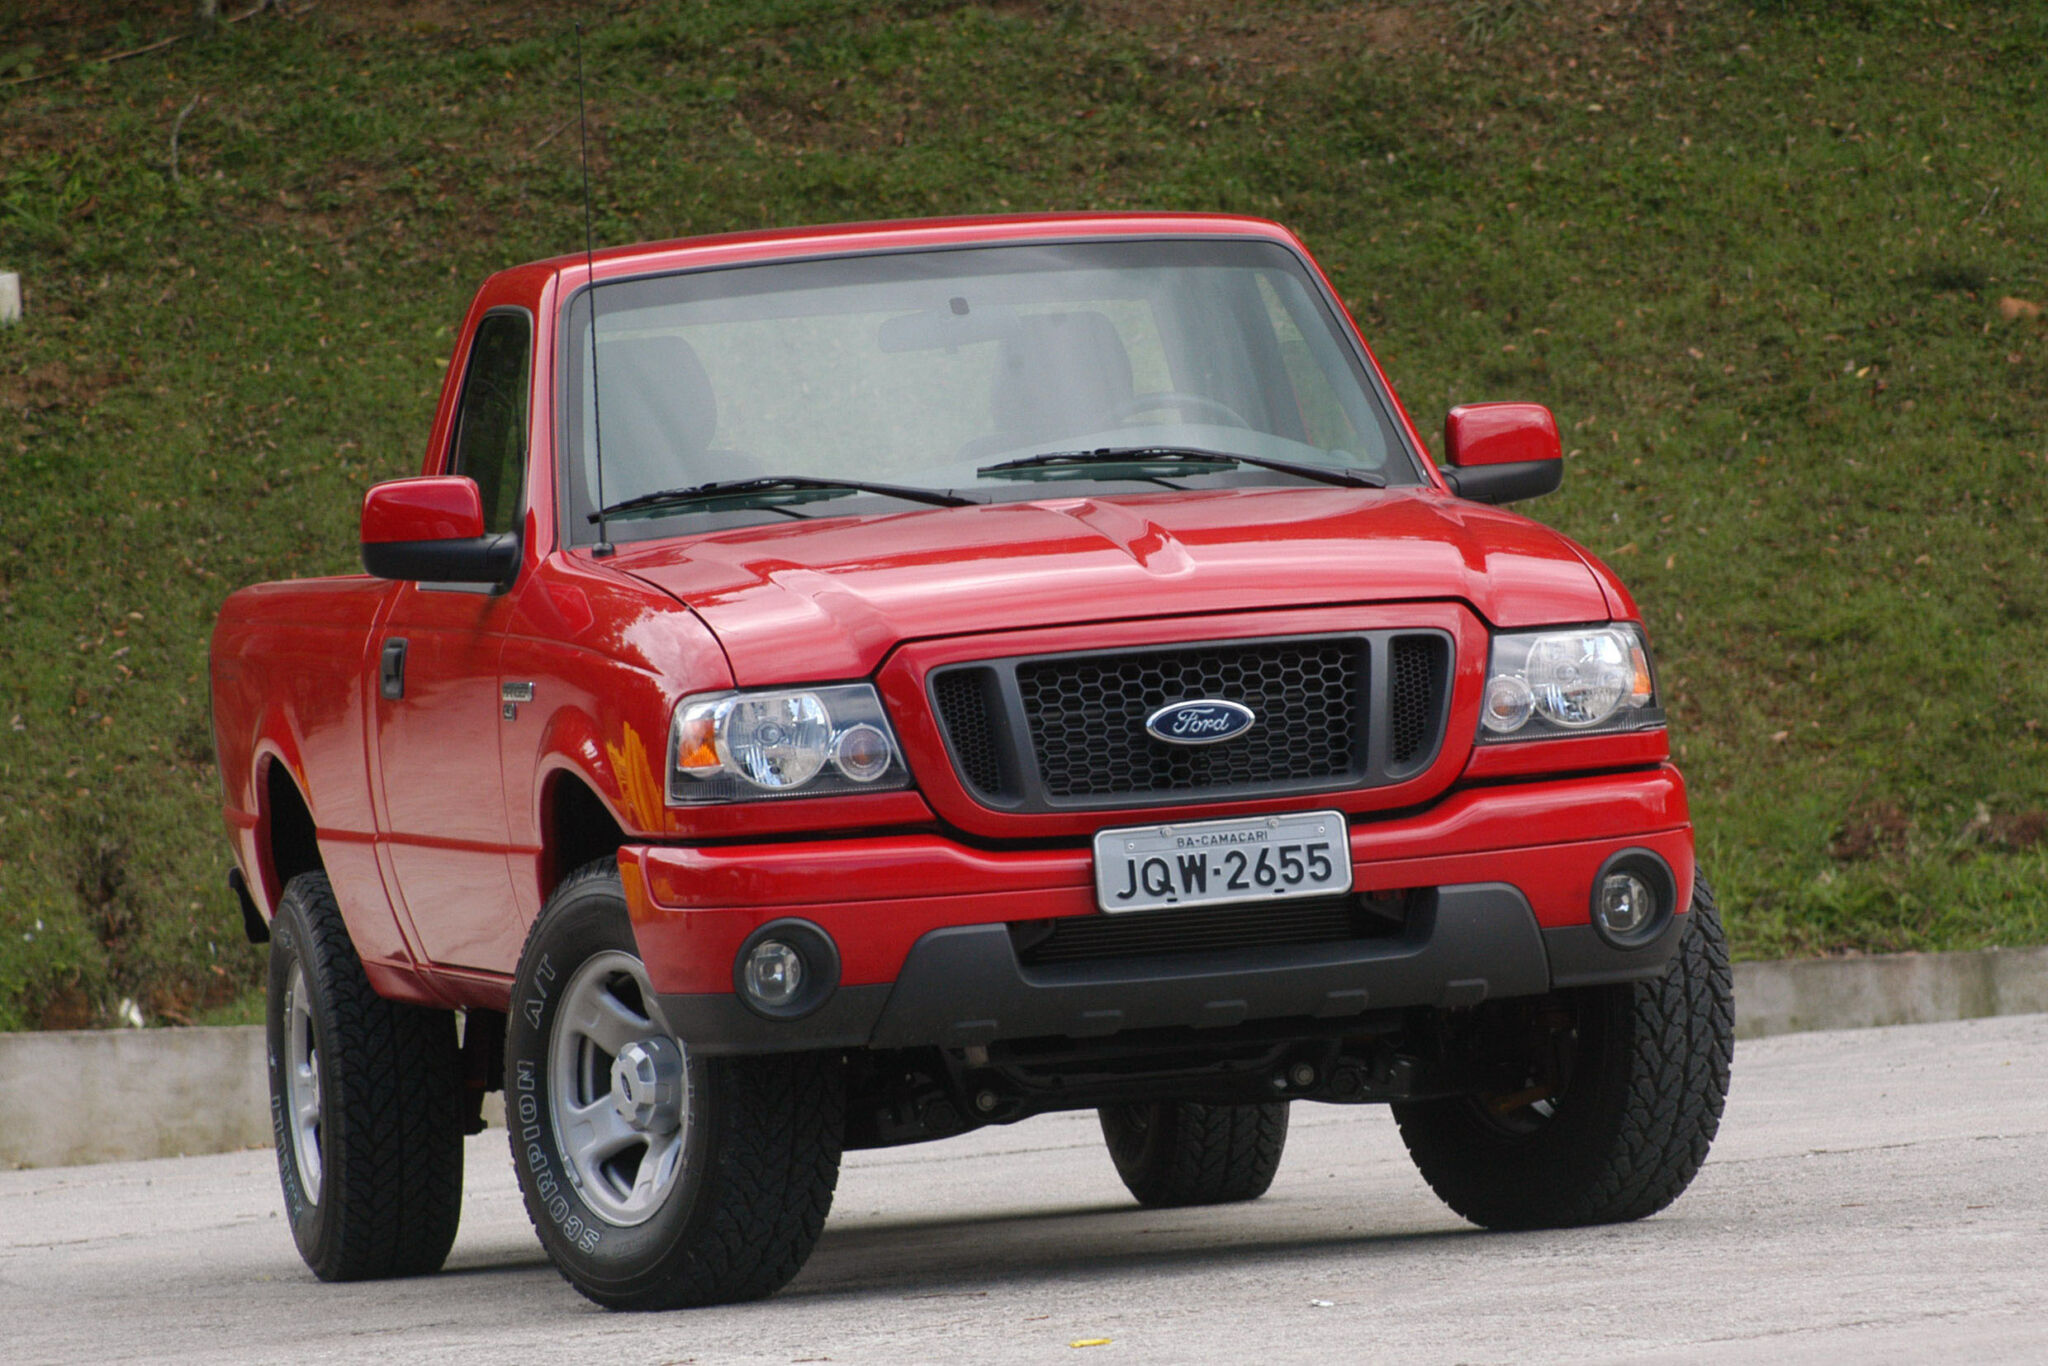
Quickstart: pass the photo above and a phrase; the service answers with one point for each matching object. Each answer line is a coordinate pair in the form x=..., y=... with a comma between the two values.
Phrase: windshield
x=946, y=369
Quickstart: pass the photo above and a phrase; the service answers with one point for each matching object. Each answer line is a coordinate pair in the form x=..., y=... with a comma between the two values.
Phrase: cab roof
x=901, y=234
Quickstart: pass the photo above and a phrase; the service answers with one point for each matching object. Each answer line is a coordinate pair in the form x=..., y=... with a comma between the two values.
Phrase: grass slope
x=1752, y=256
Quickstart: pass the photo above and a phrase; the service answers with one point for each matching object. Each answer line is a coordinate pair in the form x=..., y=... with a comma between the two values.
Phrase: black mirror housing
x=1507, y=483
x=491, y=561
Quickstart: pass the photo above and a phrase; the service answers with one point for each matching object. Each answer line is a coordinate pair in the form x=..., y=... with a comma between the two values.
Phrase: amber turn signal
x=696, y=744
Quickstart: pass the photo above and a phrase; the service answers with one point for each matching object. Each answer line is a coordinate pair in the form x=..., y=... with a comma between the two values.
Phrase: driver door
x=437, y=705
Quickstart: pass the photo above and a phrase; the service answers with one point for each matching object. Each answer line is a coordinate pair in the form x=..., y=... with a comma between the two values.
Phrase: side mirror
x=431, y=530
x=1501, y=452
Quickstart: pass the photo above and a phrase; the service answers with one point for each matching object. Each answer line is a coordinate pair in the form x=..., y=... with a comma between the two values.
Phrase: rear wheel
x=1173, y=1153
x=1614, y=1115
x=656, y=1179
x=364, y=1105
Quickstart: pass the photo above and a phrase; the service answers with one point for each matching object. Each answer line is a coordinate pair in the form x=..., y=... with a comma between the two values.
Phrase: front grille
x=1209, y=929
x=1067, y=732
x=1086, y=717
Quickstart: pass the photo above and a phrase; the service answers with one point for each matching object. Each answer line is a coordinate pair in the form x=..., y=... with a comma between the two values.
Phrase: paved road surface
x=1877, y=1195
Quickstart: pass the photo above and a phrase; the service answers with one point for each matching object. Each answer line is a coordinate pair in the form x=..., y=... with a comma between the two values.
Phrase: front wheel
x=1620, y=1098
x=656, y=1178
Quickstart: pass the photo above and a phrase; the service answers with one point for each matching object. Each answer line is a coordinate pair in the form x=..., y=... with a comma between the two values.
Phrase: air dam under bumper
x=962, y=985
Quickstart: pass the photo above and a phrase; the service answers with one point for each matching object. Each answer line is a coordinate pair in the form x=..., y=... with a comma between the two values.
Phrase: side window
x=490, y=424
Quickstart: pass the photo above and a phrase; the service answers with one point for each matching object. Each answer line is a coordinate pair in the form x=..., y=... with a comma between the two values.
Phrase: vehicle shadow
x=967, y=1253
x=962, y=1253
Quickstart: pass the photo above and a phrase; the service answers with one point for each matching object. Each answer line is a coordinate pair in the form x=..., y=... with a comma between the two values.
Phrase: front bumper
x=926, y=958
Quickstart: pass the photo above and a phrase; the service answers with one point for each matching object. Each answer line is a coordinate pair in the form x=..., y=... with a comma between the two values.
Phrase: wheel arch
x=596, y=786
x=292, y=842
x=577, y=826
x=285, y=839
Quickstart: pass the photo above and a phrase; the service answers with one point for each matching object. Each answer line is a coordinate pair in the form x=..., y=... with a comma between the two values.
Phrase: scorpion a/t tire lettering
x=1644, y=1075
x=1173, y=1153
x=655, y=1178
x=364, y=1103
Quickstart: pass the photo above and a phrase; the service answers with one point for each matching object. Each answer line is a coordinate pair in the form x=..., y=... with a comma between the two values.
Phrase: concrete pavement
x=1875, y=1194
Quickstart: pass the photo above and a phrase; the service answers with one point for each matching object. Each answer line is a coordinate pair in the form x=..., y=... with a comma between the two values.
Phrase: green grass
x=1752, y=256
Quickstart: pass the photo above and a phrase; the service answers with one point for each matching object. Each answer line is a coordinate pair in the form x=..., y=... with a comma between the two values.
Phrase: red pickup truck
x=845, y=687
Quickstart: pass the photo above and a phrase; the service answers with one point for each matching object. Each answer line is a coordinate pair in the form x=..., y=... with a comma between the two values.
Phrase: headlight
x=781, y=742
x=1542, y=683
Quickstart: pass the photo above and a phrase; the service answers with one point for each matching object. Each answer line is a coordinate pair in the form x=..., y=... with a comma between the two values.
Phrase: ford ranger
x=843, y=687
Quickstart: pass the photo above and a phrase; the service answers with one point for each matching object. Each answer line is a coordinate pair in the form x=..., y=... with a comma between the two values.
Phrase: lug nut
x=1301, y=1074
x=986, y=1102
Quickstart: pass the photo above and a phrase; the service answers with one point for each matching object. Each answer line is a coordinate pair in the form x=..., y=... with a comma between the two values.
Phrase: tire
x=1636, y=1097
x=1174, y=1153
x=684, y=1180
x=364, y=1103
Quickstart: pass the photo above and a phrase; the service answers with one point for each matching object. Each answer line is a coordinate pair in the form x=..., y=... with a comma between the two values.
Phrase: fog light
x=1634, y=897
x=775, y=974
x=786, y=969
x=1626, y=904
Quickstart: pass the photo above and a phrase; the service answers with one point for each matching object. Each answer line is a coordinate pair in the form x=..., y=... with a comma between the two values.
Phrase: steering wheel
x=1195, y=404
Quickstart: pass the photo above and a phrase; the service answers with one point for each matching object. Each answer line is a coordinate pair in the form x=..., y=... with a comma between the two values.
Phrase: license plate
x=1251, y=858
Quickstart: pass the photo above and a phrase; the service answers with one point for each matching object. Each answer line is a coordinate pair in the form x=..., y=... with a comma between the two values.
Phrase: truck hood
x=829, y=599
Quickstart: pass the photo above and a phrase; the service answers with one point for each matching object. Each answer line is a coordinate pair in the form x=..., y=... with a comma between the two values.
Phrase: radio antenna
x=604, y=545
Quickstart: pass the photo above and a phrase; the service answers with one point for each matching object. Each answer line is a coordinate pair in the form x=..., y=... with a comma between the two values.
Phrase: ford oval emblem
x=1205, y=721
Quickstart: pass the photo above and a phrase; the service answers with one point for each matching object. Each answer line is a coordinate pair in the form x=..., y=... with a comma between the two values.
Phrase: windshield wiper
x=778, y=483
x=1186, y=455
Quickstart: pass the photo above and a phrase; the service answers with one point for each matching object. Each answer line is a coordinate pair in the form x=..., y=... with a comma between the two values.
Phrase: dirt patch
x=1871, y=830
x=1875, y=830
x=92, y=27
x=89, y=26
x=183, y=1001
x=1230, y=31
x=55, y=385
x=1215, y=31
x=67, y=1007
x=2017, y=831
x=2011, y=831
x=102, y=874
x=442, y=16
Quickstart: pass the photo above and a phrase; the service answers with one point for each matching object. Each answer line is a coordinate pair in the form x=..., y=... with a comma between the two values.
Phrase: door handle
x=391, y=669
